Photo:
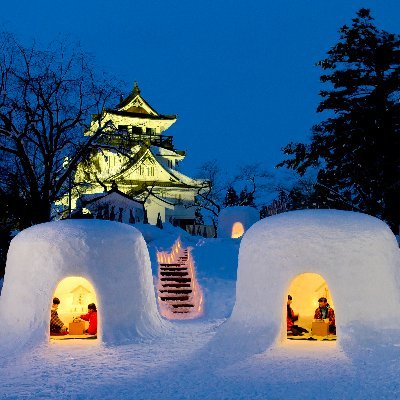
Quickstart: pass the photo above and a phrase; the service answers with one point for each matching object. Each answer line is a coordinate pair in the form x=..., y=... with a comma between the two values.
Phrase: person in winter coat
x=57, y=327
x=292, y=329
x=91, y=316
x=324, y=311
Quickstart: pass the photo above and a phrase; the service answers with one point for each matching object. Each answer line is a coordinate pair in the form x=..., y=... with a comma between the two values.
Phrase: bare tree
x=211, y=196
x=47, y=98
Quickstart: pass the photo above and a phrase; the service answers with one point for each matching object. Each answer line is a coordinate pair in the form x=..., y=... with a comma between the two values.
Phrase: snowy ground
x=195, y=360
x=189, y=363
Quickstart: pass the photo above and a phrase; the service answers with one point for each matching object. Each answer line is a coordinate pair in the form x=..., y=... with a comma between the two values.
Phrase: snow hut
x=233, y=222
x=112, y=256
x=355, y=255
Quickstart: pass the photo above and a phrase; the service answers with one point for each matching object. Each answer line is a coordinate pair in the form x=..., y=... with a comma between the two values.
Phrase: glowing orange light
x=237, y=230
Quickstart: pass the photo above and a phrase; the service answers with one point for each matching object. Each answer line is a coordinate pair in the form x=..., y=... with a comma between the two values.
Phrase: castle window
x=137, y=130
x=150, y=171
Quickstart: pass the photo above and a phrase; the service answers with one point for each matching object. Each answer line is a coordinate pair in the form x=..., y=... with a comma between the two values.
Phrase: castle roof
x=136, y=106
x=173, y=177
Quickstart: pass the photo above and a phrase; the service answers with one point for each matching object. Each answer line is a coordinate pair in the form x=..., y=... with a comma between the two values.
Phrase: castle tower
x=142, y=160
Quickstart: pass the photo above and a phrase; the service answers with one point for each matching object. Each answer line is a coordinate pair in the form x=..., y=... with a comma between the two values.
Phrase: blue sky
x=240, y=75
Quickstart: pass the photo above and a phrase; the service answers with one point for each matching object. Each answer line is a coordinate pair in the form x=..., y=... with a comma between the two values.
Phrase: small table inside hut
x=76, y=328
x=320, y=328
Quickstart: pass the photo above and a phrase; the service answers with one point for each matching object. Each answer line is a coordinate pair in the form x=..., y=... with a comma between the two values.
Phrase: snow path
x=189, y=363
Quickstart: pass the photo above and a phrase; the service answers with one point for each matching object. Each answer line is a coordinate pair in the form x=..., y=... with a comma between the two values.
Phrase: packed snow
x=357, y=255
x=234, y=351
x=110, y=255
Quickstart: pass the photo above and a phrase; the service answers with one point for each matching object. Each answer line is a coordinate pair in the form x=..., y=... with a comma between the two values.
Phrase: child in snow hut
x=292, y=329
x=57, y=327
x=91, y=316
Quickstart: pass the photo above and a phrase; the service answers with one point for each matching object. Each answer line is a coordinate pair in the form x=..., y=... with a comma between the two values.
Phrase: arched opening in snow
x=237, y=230
x=306, y=289
x=74, y=293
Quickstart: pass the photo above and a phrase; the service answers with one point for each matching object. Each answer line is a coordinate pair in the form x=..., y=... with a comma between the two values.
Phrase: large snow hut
x=355, y=255
x=113, y=257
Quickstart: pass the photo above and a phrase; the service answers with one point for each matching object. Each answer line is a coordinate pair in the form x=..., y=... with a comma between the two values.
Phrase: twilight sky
x=240, y=75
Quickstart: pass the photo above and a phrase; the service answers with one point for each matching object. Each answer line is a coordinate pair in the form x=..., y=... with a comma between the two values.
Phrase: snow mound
x=112, y=256
x=152, y=232
x=356, y=254
x=239, y=219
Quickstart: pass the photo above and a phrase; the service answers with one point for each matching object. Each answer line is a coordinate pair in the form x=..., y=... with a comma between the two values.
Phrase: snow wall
x=247, y=216
x=111, y=255
x=356, y=254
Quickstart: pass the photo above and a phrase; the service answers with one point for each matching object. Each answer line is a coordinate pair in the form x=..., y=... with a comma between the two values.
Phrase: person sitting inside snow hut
x=325, y=311
x=57, y=327
x=292, y=329
x=91, y=316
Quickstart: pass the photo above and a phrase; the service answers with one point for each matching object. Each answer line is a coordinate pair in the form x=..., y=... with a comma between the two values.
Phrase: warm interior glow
x=237, y=230
x=306, y=289
x=75, y=293
x=178, y=264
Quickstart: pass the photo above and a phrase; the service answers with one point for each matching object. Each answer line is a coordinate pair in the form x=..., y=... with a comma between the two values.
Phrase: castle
x=136, y=168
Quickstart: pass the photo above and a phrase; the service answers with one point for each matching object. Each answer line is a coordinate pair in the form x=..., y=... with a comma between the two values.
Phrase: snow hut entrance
x=74, y=294
x=306, y=289
x=237, y=230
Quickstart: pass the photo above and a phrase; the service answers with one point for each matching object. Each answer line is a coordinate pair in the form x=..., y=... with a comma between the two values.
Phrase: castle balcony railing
x=128, y=136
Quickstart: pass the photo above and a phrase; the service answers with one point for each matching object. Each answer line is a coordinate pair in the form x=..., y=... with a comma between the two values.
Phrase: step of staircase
x=182, y=305
x=176, y=285
x=174, y=298
x=170, y=264
x=177, y=291
x=176, y=274
x=178, y=280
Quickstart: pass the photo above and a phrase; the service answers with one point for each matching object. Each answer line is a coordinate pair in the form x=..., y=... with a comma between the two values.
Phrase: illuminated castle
x=146, y=169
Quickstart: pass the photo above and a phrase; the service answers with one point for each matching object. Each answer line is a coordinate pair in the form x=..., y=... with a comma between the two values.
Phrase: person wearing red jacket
x=324, y=311
x=91, y=316
x=292, y=329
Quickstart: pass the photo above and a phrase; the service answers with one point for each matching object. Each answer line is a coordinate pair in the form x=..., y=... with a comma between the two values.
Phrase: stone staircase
x=179, y=295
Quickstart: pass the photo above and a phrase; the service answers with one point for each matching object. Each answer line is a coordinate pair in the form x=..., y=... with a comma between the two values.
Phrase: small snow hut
x=233, y=222
x=113, y=257
x=355, y=254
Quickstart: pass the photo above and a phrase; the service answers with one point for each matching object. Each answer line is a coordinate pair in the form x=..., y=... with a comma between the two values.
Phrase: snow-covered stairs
x=179, y=294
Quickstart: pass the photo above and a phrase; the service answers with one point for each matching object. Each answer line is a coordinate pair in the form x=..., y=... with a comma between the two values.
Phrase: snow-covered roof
x=41, y=256
x=176, y=176
x=156, y=150
x=184, y=178
x=113, y=197
x=356, y=254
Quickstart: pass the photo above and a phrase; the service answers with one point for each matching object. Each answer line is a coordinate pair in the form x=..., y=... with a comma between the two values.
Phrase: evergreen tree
x=357, y=147
x=231, y=197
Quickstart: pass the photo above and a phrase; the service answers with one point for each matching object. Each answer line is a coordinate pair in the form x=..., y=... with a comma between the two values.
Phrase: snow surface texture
x=111, y=255
x=356, y=254
x=247, y=216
